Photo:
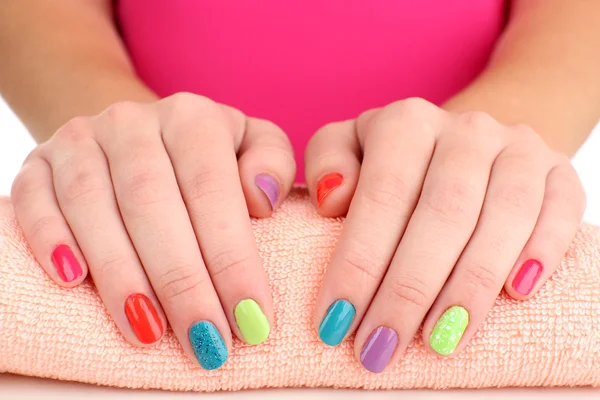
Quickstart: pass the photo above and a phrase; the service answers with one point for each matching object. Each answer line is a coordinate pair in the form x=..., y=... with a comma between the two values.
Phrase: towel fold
x=47, y=331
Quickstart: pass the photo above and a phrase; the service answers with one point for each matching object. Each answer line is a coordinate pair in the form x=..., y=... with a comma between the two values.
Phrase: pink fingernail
x=527, y=276
x=66, y=263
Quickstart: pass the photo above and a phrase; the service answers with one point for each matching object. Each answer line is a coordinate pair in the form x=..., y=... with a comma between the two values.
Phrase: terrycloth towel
x=46, y=331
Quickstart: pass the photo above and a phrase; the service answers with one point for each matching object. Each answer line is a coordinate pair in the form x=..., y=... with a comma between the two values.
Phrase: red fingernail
x=66, y=264
x=143, y=318
x=527, y=276
x=326, y=185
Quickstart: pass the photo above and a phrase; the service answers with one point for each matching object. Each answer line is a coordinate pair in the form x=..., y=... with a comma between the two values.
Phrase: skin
x=470, y=190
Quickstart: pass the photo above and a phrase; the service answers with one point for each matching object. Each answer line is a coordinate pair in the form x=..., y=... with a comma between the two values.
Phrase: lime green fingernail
x=449, y=330
x=252, y=321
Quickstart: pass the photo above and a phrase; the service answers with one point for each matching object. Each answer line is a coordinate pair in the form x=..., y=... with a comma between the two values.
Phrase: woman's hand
x=443, y=210
x=154, y=200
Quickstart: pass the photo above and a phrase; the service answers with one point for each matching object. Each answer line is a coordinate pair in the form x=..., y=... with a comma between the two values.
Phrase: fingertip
x=332, y=164
x=265, y=201
x=267, y=167
x=525, y=280
x=69, y=270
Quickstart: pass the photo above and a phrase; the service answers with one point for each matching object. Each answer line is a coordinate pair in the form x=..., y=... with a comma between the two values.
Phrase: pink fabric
x=304, y=63
x=46, y=331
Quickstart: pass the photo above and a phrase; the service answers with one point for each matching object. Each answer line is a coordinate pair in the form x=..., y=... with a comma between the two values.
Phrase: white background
x=15, y=144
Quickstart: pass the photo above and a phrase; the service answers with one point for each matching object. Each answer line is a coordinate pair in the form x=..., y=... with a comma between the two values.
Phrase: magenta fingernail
x=270, y=187
x=379, y=349
x=527, y=277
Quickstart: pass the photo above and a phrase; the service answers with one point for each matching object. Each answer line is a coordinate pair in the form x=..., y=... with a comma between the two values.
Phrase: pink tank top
x=304, y=63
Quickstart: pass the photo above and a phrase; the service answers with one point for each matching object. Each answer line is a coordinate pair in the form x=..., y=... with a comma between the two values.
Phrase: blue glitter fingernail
x=208, y=345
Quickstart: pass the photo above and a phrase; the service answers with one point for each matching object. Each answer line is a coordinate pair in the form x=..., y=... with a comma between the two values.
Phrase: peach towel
x=552, y=340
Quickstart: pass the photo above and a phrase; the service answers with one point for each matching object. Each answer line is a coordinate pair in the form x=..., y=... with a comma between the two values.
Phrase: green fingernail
x=449, y=330
x=252, y=321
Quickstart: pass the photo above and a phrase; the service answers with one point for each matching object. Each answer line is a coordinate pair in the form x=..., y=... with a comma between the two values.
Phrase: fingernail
x=527, y=276
x=270, y=187
x=449, y=330
x=252, y=321
x=208, y=344
x=143, y=318
x=379, y=348
x=336, y=323
x=326, y=185
x=66, y=264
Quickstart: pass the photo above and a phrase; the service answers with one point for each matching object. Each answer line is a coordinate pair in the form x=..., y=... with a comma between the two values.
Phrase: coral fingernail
x=66, y=263
x=326, y=185
x=527, y=276
x=336, y=322
x=379, y=349
x=448, y=330
x=252, y=321
x=143, y=318
x=270, y=188
x=208, y=345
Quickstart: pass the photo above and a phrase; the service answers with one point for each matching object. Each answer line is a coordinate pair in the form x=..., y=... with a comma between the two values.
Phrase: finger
x=159, y=227
x=209, y=180
x=397, y=150
x=562, y=211
x=439, y=228
x=44, y=226
x=266, y=166
x=86, y=198
x=512, y=205
x=332, y=164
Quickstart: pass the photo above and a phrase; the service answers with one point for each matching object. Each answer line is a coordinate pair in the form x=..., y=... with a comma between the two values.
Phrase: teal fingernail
x=336, y=323
x=209, y=347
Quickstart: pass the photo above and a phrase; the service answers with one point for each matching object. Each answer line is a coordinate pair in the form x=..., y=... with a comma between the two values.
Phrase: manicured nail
x=66, y=264
x=270, y=187
x=336, y=323
x=449, y=330
x=527, y=276
x=379, y=348
x=208, y=344
x=252, y=321
x=326, y=185
x=143, y=318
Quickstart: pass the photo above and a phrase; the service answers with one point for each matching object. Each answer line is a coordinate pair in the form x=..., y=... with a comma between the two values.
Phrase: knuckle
x=185, y=103
x=417, y=113
x=555, y=242
x=410, y=290
x=75, y=131
x=125, y=112
x=415, y=106
x=111, y=264
x=388, y=190
x=205, y=185
x=181, y=281
x=141, y=189
x=25, y=183
x=516, y=195
x=478, y=120
x=525, y=132
x=84, y=185
x=362, y=262
x=453, y=202
x=44, y=226
x=228, y=260
x=481, y=276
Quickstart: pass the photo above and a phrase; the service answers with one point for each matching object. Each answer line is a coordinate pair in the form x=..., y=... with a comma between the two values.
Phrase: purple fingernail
x=379, y=348
x=270, y=187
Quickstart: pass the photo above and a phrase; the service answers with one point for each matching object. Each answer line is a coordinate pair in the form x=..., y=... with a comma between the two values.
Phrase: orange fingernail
x=326, y=185
x=143, y=318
